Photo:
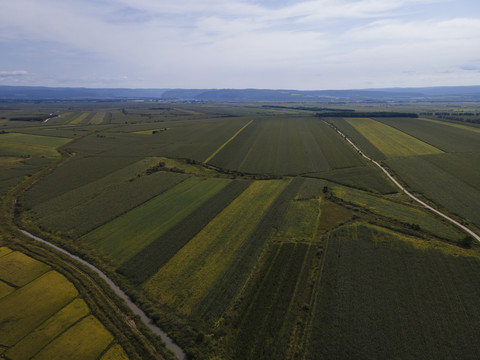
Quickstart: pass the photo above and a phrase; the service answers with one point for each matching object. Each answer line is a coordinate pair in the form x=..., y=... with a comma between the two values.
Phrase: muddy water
x=174, y=348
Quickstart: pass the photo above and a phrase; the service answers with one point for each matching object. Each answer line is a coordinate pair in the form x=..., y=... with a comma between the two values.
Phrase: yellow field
x=115, y=352
x=390, y=141
x=79, y=118
x=5, y=289
x=86, y=340
x=195, y=268
x=4, y=251
x=46, y=308
x=50, y=329
x=8, y=162
x=26, y=308
x=459, y=126
x=97, y=118
x=19, y=269
x=13, y=144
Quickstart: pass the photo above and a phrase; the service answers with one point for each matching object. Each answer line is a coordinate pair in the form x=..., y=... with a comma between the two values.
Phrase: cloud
x=241, y=43
x=16, y=73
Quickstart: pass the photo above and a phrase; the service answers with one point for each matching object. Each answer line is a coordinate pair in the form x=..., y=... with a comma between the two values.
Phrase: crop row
x=128, y=234
x=287, y=146
x=152, y=257
x=269, y=309
x=227, y=286
x=380, y=296
x=85, y=208
x=440, y=186
x=187, y=276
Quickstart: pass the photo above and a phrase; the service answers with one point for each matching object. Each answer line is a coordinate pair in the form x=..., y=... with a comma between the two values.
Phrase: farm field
x=440, y=186
x=128, y=234
x=23, y=145
x=389, y=141
x=41, y=305
x=244, y=230
x=399, y=212
x=112, y=195
x=286, y=146
x=379, y=294
x=186, y=278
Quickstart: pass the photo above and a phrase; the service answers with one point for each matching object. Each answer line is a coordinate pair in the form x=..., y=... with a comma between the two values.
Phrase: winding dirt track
x=397, y=184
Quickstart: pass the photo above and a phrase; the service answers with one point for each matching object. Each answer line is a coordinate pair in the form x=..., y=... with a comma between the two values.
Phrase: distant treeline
x=30, y=118
x=355, y=114
x=309, y=108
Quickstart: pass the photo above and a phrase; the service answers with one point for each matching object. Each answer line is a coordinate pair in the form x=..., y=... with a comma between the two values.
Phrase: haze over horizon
x=284, y=44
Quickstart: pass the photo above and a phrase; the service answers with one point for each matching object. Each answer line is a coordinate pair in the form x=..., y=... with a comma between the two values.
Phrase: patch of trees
x=161, y=167
x=363, y=114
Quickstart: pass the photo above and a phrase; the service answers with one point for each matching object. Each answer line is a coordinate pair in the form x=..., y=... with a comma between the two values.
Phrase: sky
x=268, y=44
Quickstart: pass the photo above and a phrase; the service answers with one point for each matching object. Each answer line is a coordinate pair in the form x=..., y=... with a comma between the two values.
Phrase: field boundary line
x=409, y=194
x=226, y=142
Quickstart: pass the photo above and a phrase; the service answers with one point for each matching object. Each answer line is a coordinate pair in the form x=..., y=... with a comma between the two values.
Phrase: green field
x=128, y=234
x=287, y=146
x=378, y=296
x=110, y=196
x=368, y=178
x=404, y=213
x=268, y=312
x=446, y=189
x=14, y=144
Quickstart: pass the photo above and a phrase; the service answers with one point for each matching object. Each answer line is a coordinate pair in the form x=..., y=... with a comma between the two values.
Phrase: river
x=170, y=345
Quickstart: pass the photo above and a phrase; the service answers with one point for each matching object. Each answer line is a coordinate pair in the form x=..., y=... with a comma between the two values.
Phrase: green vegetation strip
x=85, y=208
x=383, y=296
x=224, y=290
x=144, y=264
x=186, y=278
x=268, y=314
x=130, y=233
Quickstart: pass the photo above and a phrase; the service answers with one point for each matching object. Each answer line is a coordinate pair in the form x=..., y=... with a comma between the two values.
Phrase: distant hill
x=32, y=93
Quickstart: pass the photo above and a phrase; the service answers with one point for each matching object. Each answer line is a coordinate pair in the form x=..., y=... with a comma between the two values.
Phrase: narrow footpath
x=397, y=184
